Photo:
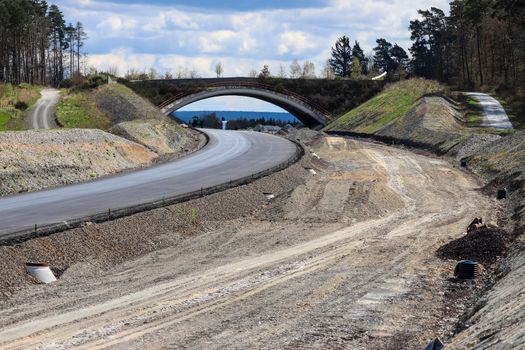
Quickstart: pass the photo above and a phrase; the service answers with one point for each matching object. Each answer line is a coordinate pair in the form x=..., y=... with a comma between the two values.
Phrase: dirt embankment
x=341, y=259
x=434, y=123
x=136, y=119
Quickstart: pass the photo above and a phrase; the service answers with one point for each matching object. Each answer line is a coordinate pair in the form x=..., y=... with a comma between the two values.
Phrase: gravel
x=485, y=246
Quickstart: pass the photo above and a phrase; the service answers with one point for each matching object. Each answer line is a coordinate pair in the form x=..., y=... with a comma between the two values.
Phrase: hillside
x=116, y=108
x=391, y=104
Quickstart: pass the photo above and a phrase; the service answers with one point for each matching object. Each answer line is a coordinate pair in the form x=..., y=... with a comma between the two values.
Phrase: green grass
x=77, y=110
x=391, y=104
x=13, y=119
x=4, y=120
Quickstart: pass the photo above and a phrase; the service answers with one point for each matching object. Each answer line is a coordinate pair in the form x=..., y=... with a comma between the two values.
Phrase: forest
x=480, y=42
x=38, y=47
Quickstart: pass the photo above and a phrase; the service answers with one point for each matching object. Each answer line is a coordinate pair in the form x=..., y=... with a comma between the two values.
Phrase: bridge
x=315, y=102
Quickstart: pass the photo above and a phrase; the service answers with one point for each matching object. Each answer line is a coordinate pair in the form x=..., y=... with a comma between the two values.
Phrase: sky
x=185, y=35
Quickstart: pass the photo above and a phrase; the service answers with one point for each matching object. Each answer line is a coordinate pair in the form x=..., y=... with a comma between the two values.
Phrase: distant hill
x=235, y=115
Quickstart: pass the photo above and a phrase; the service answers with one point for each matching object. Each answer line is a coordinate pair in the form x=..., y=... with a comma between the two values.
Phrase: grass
x=12, y=118
x=394, y=102
x=77, y=110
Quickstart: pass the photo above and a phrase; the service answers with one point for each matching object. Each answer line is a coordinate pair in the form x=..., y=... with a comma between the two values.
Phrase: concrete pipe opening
x=269, y=195
x=41, y=272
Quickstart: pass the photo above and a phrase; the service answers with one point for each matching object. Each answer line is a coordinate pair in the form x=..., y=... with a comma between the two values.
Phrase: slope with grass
x=391, y=104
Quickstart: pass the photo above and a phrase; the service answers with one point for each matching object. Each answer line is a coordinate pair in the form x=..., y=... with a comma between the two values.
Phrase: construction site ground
x=341, y=259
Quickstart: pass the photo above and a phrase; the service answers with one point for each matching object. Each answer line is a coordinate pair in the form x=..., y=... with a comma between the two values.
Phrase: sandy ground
x=344, y=261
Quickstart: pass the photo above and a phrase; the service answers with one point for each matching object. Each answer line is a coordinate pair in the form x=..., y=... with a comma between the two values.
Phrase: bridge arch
x=310, y=115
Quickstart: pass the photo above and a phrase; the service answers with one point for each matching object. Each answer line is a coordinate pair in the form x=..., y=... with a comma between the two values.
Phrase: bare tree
x=308, y=70
x=295, y=70
x=253, y=73
x=328, y=71
x=282, y=72
x=219, y=69
x=265, y=72
x=168, y=76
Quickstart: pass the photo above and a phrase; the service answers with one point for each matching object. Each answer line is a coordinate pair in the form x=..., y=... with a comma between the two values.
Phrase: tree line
x=38, y=47
x=480, y=42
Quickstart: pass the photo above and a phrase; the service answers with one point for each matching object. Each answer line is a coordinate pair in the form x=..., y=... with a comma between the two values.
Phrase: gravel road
x=42, y=115
x=495, y=115
x=345, y=260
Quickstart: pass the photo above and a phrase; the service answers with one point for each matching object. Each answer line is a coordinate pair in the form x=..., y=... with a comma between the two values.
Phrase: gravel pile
x=33, y=160
x=485, y=246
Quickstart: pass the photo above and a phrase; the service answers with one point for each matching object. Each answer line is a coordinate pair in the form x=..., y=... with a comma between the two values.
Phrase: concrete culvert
x=502, y=194
x=311, y=171
x=41, y=272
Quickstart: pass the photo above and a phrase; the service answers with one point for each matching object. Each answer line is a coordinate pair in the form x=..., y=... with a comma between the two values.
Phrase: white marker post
x=224, y=122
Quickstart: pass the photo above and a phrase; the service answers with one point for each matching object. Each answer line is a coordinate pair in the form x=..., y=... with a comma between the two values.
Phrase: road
x=345, y=261
x=495, y=115
x=229, y=155
x=42, y=115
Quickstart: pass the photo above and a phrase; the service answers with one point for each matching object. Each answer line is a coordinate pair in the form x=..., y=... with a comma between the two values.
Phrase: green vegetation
x=77, y=110
x=394, y=102
x=14, y=100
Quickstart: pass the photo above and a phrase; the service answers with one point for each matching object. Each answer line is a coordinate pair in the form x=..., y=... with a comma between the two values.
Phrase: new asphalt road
x=229, y=155
x=42, y=115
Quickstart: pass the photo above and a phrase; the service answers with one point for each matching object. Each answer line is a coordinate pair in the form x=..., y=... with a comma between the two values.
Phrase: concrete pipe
x=41, y=272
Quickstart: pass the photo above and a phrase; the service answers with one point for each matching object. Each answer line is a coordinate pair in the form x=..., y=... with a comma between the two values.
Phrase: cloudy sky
x=242, y=34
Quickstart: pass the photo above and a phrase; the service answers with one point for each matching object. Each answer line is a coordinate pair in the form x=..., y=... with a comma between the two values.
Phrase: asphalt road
x=495, y=115
x=229, y=155
x=42, y=115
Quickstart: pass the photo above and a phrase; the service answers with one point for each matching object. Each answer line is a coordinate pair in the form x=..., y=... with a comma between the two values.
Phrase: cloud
x=116, y=24
x=172, y=36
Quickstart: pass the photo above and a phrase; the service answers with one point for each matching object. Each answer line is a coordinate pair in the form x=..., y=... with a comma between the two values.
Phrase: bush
x=21, y=105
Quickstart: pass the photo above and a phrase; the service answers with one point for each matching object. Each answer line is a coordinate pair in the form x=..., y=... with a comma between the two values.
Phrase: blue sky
x=194, y=35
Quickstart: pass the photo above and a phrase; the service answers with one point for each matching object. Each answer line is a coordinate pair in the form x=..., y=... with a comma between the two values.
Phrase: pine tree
x=342, y=57
x=382, y=57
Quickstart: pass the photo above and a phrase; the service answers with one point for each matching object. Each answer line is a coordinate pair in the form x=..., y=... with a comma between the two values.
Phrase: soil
x=341, y=259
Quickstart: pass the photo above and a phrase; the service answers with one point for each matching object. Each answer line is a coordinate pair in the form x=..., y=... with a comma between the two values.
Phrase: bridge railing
x=233, y=84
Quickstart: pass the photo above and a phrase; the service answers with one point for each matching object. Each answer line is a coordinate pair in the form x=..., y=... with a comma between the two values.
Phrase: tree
x=282, y=72
x=80, y=37
x=358, y=53
x=356, y=68
x=341, y=57
x=382, y=59
x=168, y=76
x=252, y=73
x=308, y=70
x=295, y=70
x=265, y=72
x=328, y=72
x=399, y=56
x=218, y=69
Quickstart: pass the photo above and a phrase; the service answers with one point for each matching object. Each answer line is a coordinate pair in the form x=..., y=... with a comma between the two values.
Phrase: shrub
x=21, y=105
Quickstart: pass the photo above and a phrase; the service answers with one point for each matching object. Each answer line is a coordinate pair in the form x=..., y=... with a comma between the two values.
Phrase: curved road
x=229, y=155
x=42, y=115
x=495, y=115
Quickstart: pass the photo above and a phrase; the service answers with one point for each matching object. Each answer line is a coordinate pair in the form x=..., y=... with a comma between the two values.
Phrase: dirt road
x=344, y=261
x=495, y=115
x=42, y=114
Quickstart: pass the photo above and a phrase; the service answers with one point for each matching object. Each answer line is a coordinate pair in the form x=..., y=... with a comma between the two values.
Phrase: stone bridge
x=315, y=102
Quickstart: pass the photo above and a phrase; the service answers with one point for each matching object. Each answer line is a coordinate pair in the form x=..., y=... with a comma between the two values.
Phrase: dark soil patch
x=484, y=246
